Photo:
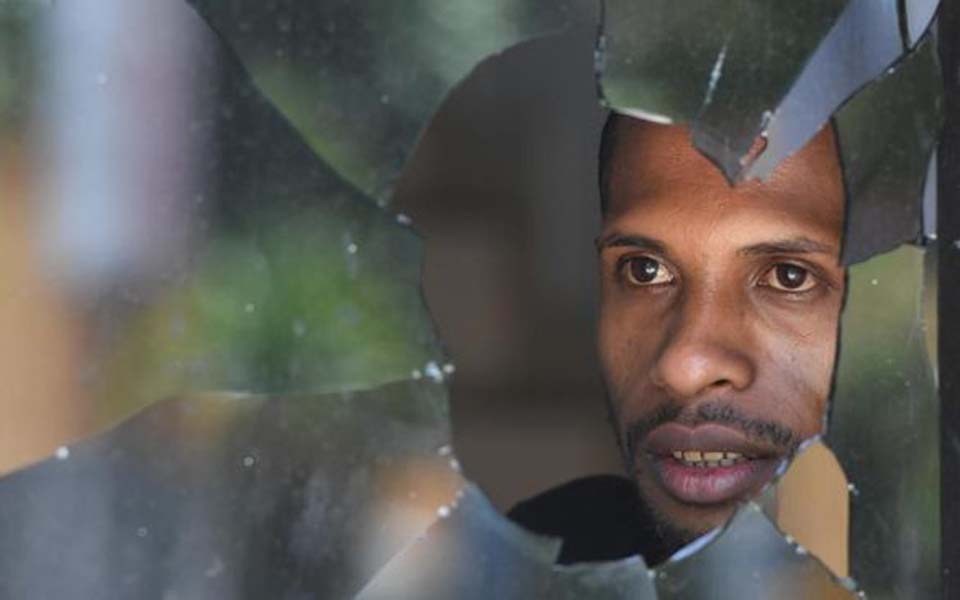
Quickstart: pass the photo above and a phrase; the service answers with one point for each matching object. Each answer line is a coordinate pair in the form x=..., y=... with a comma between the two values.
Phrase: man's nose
x=707, y=348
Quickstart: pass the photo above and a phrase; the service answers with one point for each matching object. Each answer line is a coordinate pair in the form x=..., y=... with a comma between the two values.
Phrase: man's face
x=718, y=321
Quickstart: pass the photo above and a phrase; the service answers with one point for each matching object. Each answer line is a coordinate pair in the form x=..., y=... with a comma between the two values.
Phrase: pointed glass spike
x=747, y=558
x=863, y=42
x=886, y=135
x=208, y=495
x=723, y=68
x=919, y=14
x=884, y=427
x=474, y=552
x=810, y=503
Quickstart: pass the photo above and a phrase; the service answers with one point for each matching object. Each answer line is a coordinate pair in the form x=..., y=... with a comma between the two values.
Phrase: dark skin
x=719, y=308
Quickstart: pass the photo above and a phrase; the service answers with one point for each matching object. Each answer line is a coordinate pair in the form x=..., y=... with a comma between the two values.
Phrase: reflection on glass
x=749, y=558
x=472, y=552
x=360, y=80
x=886, y=135
x=863, y=42
x=723, y=69
x=231, y=495
x=884, y=429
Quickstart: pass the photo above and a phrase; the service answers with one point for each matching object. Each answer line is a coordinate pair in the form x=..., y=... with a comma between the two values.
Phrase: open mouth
x=708, y=464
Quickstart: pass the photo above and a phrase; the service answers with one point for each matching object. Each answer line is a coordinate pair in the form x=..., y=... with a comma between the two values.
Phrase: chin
x=680, y=523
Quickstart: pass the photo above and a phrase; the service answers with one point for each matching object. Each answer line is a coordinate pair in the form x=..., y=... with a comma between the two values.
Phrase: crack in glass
x=360, y=80
x=723, y=69
x=296, y=437
x=886, y=134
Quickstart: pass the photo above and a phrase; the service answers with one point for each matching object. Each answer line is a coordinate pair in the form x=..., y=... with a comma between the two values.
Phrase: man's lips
x=699, y=476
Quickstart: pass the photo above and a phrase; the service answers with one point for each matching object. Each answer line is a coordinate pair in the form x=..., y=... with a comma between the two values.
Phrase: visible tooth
x=692, y=456
x=713, y=463
x=733, y=455
x=713, y=456
x=677, y=454
x=700, y=464
x=727, y=462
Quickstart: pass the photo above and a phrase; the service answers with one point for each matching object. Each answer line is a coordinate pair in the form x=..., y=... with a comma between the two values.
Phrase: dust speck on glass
x=211, y=197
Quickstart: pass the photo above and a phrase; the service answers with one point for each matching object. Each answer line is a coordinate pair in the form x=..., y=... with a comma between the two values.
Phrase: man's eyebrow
x=796, y=245
x=634, y=241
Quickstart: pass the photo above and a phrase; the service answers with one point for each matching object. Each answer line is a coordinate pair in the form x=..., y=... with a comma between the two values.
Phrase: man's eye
x=788, y=277
x=643, y=270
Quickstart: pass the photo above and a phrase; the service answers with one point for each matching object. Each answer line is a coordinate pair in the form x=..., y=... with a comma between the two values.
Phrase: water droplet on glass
x=454, y=464
x=449, y=368
x=63, y=453
x=249, y=461
x=142, y=532
x=443, y=512
x=432, y=370
x=249, y=307
x=853, y=489
x=403, y=219
x=299, y=328
x=416, y=374
x=351, y=248
x=445, y=450
x=874, y=282
x=801, y=550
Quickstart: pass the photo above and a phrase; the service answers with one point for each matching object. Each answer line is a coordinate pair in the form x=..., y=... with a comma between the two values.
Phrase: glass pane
x=886, y=134
x=724, y=68
x=472, y=552
x=748, y=558
x=883, y=428
x=360, y=80
x=918, y=14
x=864, y=41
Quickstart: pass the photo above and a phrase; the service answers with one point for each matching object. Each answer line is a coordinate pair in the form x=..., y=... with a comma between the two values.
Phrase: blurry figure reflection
x=717, y=336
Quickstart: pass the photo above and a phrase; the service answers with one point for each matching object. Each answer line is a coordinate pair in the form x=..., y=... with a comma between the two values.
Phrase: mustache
x=772, y=433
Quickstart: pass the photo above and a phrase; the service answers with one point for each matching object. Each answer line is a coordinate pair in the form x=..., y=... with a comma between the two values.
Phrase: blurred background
x=105, y=110
x=503, y=189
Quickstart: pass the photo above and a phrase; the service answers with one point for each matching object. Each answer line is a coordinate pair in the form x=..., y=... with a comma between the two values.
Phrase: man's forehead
x=653, y=164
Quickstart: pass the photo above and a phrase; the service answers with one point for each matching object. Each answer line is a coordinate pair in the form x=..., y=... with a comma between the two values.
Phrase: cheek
x=802, y=356
x=628, y=335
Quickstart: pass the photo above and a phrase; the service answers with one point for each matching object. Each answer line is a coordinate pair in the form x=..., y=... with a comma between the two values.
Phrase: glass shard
x=886, y=135
x=864, y=41
x=361, y=79
x=747, y=558
x=229, y=495
x=474, y=552
x=242, y=262
x=919, y=14
x=884, y=430
x=810, y=503
x=724, y=68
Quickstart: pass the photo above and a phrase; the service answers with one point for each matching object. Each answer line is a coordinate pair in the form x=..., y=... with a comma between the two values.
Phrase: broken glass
x=296, y=439
x=361, y=80
x=473, y=552
x=883, y=428
x=230, y=495
x=724, y=68
x=886, y=135
x=918, y=14
x=748, y=558
x=864, y=41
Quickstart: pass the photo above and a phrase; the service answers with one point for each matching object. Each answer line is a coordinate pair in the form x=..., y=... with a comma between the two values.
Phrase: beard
x=669, y=535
